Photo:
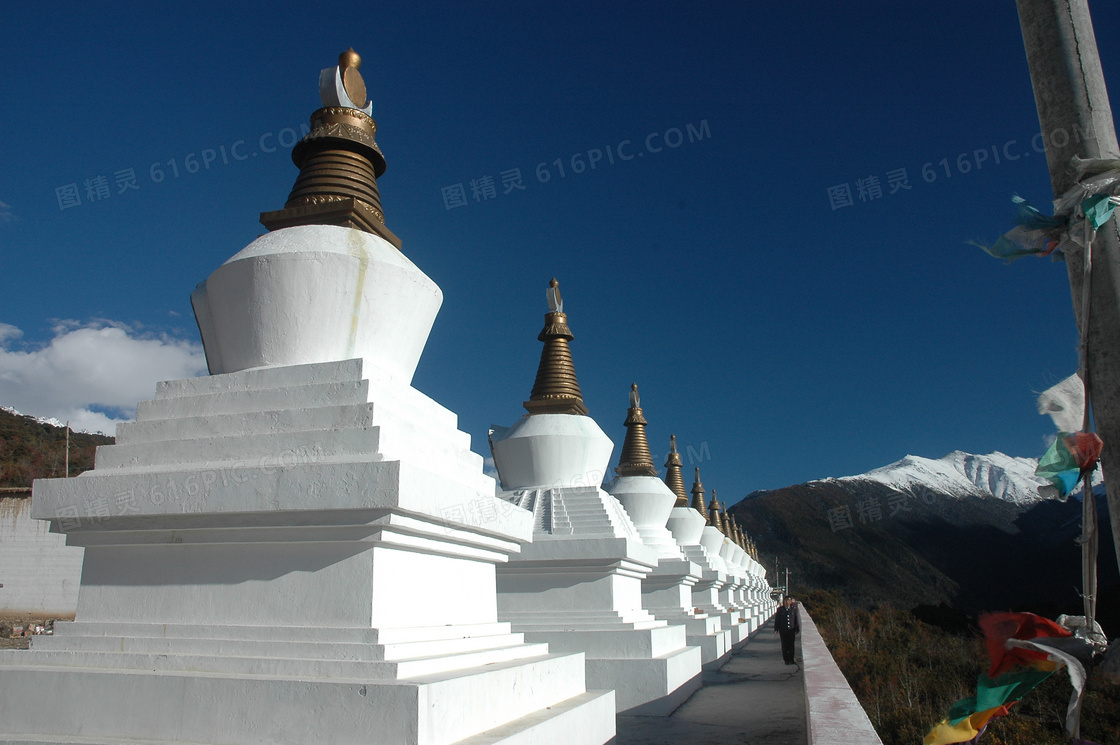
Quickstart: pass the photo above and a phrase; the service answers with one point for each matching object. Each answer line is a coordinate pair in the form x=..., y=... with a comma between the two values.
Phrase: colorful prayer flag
x=1034, y=234
x=994, y=698
x=998, y=628
x=1067, y=458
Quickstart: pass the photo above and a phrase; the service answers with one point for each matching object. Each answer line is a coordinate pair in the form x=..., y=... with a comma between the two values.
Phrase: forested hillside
x=32, y=450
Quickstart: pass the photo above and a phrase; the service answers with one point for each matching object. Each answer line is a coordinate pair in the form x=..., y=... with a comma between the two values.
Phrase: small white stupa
x=688, y=526
x=667, y=591
x=716, y=543
x=754, y=594
x=578, y=586
x=280, y=552
x=759, y=588
x=737, y=556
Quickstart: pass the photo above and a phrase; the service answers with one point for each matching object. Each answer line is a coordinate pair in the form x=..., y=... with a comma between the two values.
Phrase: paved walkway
x=753, y=698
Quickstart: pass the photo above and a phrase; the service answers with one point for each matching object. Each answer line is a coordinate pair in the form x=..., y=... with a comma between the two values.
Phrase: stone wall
x=833, y=714
x=39, y=573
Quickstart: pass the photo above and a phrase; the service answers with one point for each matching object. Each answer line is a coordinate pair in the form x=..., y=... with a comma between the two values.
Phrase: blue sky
x=780, y=335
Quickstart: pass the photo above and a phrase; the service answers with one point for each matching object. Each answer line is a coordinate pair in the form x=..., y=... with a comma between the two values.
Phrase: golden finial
x=698, y=496
x=636, y=459
x=352, y=82
x=339, y=160
x=349, y=58
x=673, y=478
x=556, y=389
x=714, y=518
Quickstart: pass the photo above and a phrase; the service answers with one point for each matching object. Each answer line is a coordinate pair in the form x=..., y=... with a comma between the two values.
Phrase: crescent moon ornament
x=343, y=85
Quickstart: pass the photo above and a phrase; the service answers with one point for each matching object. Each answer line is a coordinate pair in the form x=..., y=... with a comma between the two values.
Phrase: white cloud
x=6, y=214
x=8, y=331
x=88, y=369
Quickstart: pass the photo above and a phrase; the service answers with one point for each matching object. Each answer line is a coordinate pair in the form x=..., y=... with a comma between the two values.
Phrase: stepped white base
x=667, y=594
x=650, y=668
x=87, y=704
x=241, y=508
x=578, y=587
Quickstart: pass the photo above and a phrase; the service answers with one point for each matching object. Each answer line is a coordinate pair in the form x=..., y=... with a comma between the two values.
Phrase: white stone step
x=526, y=621
x=261, y=379
x=612, y=643
x=240, y=402
x=258, y=422
x=105, y=706
x=232, y=664
x=396, y=635
x=282, y=449
x=581, y=720
x=309, y=649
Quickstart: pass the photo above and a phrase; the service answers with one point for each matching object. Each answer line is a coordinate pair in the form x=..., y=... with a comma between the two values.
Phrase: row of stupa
x=579, y=585
x=277, y=552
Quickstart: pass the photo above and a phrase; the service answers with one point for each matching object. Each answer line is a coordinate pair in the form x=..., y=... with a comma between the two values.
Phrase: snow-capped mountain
x=41, y=420
x=968, y=530
x=960, y=474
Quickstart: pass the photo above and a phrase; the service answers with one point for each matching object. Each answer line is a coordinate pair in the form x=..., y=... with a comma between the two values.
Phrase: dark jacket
x=787, y=619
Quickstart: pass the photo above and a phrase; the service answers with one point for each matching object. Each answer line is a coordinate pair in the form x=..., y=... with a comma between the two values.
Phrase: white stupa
x=753, y=594
x=758, y=588
x=716, y=541
x=688, y=526
x=281, y=552
x=666, y=591
x=578, y=586
x=737, y=557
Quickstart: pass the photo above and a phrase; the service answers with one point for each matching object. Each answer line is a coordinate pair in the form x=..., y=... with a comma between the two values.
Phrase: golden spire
x=636, y=459
x=725, y=517
x=732, y=528
x=339, y=161
x=673, y=478
x=714, y=518
x=698, y=496
x=556, y=389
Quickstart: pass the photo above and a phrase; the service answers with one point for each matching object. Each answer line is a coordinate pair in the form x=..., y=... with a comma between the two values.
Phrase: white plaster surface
x=648, y=502
x=39, y=573
x=551, y=450
x=282, y=554
x=578, y=586
x=316, y=293
x=667, y=592
x=686, y=525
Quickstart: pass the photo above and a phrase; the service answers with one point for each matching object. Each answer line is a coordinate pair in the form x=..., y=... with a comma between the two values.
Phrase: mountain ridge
x=964, y=530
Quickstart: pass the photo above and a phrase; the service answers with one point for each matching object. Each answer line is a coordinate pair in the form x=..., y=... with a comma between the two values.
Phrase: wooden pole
x=1076, y=119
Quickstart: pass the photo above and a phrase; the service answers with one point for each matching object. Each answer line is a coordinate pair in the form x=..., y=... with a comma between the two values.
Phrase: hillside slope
x=30, y=449
x=920, y=534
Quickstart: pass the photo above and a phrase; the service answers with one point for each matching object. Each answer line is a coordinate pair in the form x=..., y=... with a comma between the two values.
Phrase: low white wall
x=39, y=573
x=833, y=714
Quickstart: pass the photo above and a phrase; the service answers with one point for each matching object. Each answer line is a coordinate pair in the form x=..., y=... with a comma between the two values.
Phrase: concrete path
x=753, y=698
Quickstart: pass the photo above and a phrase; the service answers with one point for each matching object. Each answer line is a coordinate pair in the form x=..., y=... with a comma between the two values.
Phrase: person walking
x=787, y=622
